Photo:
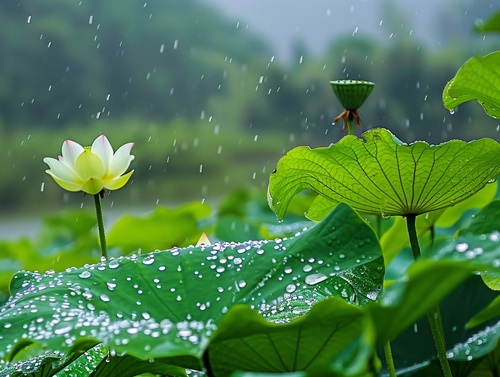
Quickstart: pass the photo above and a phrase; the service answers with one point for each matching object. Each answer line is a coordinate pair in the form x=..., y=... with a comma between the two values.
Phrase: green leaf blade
x=478, y=79
x=382, y=175
x=166, y=304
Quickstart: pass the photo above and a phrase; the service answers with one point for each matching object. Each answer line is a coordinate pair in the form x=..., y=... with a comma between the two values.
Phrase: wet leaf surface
x=166, y=304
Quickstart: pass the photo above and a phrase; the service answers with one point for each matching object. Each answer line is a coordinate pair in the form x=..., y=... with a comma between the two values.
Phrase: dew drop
x=111, y=284
x=242, y=283
x=104, y=298
x=290, y=288
x=461, y=247
x=315, y=278
x=62, y=328
x=85, y=275
x=495, y=236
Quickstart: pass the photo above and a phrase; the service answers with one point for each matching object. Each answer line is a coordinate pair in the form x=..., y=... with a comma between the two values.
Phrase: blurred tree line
x=99, y=66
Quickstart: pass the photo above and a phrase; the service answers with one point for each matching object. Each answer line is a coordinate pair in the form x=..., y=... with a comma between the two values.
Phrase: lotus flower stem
x=433, y=315
x=100, y=226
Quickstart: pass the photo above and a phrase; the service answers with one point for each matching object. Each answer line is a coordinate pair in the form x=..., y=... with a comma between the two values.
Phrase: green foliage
x=282, y=279
x=479, y=79
x=312, y=302
x=396, y=238
x=128, y=303
x=162, y=229
x=244, y=340
x=383, y=175
x=490, y=312
x=492, y=24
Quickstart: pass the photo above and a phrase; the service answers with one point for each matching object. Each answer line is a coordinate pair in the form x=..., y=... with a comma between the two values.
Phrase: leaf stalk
x=433, y=314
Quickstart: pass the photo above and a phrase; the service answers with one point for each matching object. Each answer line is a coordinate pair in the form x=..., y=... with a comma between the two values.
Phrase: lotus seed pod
x=352, y=93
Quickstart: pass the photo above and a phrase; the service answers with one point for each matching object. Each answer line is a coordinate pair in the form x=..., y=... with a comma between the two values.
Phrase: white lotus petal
x=60, y=170
x=70, y=152
x=121, y=160
x=69, y=186
x=104, y=150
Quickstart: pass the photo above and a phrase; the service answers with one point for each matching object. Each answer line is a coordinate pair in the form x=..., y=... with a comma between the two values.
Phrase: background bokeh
x=213, y=92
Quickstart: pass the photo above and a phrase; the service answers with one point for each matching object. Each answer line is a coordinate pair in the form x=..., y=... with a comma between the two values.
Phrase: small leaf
x=382, y=175
x=478, y=79
x=490, y=312
x=492, y=24
x=45, y=365
x=129, y=366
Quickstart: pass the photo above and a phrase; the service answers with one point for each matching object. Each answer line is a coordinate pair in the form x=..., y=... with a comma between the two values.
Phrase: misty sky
x=316, y=22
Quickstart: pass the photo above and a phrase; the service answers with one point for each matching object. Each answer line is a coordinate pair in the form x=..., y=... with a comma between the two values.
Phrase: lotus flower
x=91, y=169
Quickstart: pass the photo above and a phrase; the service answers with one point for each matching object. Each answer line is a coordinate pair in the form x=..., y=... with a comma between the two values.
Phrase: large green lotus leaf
x=478, y=345
x=166, y=304
x=478, y=79
x=487, y=223
x=382, y=175
x=449, y=216
x=162, y=229
x=245, y=341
